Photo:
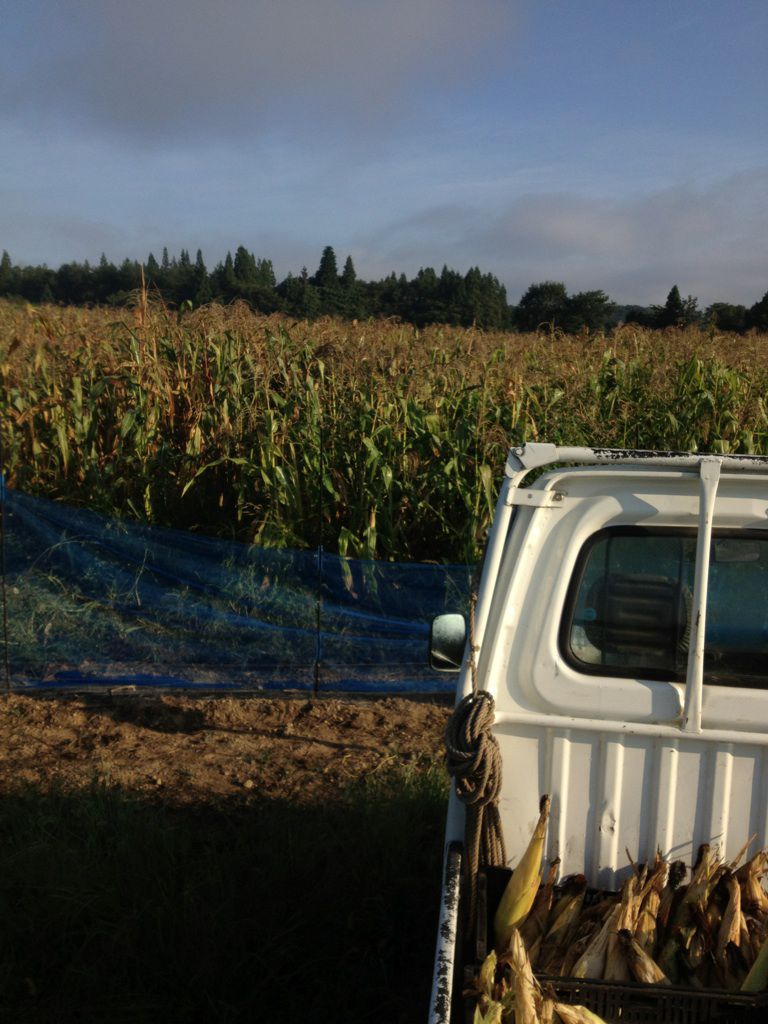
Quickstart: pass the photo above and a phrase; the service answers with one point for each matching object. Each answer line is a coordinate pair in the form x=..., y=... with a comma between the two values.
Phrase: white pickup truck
x=622, y=630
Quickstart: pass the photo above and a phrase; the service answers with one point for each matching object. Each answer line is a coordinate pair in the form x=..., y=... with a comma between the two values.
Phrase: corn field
x=374, y=439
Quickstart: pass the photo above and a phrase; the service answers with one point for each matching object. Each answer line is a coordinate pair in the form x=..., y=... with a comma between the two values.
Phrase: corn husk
x=576, y=949
x=641, y=966
x=547, y=1011
x=591, y=964
x=695, y=898
x=535, y=925
x=730, y=924
x=671, y=895
x=492, y=1014
x=520, y=893
x=645, y=929
x=487, y=974
x=523, y=983
x=616, y=966
x=562, y=925
x=575, y=1014
x=753, y=894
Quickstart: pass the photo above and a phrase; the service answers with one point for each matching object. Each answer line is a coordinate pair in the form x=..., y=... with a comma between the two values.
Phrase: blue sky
x=616, y=144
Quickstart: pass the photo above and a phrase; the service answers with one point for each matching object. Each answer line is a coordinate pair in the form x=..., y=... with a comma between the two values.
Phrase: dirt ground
x=220, y=749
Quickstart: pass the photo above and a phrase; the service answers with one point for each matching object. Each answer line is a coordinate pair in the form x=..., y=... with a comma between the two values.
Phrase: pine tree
x=327, y=275
x=245, y=266
x=201, y=281
x=6, y=272
x=348, y=275
x=676, y=311
x=152, y=268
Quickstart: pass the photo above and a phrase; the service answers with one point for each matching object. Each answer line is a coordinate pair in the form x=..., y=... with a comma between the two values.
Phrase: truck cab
x=621, y=628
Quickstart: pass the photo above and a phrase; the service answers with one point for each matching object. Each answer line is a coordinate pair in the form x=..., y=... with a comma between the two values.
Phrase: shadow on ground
x=117, y=909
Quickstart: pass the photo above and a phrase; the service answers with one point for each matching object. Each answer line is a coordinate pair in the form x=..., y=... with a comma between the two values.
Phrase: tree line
x=447, y=297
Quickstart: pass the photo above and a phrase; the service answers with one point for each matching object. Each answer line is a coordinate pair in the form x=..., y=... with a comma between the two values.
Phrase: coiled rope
x=473, y=760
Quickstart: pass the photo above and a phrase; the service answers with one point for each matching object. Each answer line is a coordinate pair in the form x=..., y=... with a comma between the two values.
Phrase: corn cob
x=564, y=919
x=522, y=887
x=492, y=1014
x=523, y=983
x=582, y=939
x=730, y=925
x=670, y=895
x=616, y=966
x=535, y=925
x=575, y=1014
x=547, y=1011
x=754, y=895
x=645, y=929
x=695, y=896
x=641, y=966
x=591, y=964
x=488, y=974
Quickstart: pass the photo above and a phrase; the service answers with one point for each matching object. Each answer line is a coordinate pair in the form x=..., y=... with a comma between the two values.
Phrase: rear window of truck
x=629, y=603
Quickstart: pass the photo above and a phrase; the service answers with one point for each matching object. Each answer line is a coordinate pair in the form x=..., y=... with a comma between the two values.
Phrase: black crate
x=629, y=1003
x=633, y=1003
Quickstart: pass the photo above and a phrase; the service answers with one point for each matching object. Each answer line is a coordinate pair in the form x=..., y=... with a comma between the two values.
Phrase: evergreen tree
x=327, y=283
x=485, y=301
x=676, y=311
x=106, y=280
x=671, y=313
x=128, y=280
x=299, y=296
x=425, y=301
x=151, y=269
x=223, y=281
x=352, y=301
x=757, y=315
x=6, y=273
x=245, y=266
x=327, y=275
x=203, y=293
x=265, y=274
x=348, y=275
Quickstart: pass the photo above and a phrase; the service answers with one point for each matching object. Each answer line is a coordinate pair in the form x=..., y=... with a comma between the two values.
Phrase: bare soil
x=185, y=749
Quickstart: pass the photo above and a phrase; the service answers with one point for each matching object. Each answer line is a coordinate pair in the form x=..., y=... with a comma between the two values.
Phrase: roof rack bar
x=533, y=455
x=694, y=680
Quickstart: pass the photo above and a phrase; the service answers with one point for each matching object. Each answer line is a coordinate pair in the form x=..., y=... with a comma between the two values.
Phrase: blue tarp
x=94, y=602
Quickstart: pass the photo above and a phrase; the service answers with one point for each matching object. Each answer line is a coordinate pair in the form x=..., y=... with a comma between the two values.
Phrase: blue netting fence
x=96, y=602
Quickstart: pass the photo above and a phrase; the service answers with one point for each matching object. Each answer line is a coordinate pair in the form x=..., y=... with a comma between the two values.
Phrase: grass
x=375, y=439
x=122, y=911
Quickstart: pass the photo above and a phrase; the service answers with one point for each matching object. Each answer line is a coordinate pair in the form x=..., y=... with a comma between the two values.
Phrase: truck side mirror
x=447, y=640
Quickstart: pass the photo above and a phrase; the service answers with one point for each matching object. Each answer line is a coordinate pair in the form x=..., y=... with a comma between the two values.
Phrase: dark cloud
x=710, y=241
x=188, y=68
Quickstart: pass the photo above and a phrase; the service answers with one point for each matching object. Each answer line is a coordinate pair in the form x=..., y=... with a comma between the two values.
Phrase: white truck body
x=637, y=703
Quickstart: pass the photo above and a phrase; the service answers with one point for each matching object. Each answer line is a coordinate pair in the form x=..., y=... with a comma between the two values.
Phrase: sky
x=614, y=144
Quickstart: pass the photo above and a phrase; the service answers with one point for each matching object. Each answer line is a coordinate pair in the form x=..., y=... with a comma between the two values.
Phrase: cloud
x=710, y=241
x=193, y=69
